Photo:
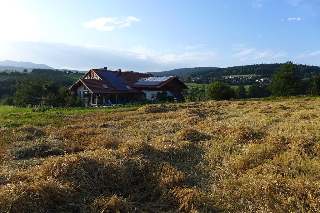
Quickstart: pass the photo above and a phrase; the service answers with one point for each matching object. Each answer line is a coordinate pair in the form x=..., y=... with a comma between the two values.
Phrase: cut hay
x=192, y=135
x=216, y=156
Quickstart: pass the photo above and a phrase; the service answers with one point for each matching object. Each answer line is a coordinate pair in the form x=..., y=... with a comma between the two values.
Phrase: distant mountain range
x=21, y=65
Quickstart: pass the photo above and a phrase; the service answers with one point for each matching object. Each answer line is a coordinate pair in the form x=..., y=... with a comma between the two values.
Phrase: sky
x=150, y=35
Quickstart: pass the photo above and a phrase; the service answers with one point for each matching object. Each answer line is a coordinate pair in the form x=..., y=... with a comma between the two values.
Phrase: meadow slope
x=226, y=156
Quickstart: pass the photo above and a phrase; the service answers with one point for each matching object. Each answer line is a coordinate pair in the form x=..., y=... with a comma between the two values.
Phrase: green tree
x=195, y=94
x=240, y=92
x=256, y=91
x=285, y=81
x=27, y=92
x=314, y=86
x=6, y=100
x=219, y=91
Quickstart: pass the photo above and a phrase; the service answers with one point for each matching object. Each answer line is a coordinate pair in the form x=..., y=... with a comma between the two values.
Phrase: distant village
x=237, y=80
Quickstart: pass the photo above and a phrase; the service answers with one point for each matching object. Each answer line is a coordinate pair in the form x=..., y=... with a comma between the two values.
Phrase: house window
x=85, y=88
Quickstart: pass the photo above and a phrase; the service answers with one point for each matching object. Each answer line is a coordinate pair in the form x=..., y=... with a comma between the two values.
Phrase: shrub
x=219, y=91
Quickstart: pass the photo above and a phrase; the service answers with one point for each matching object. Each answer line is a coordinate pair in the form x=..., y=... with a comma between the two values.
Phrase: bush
x=6, y=100
x=256, y=91
x=240, y=92
x=219, y=91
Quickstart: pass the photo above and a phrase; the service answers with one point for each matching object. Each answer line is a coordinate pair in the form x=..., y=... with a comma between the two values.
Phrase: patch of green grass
x=5, y=110
x=195, y=85
x=12, y=117
x=241, y=75
x=74, y=77
x=245, y=86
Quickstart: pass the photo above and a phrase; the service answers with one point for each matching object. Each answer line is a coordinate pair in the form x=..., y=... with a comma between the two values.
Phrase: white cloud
x=187, y=57
x=125, y=25
x=294, y=19
x=280, y=54
x=250, y=54
x=195, y=47
x=243, y=53
x=294, y=3
x=262, y=54
x=142, y=52
x=309, y=54
x=108, y=24
x=314, y=53
x=239, y=47
x=257, y=4
x=85, y=57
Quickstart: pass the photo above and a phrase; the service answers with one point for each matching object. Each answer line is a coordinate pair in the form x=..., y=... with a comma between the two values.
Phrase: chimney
x=119, y=71
x=105, y=68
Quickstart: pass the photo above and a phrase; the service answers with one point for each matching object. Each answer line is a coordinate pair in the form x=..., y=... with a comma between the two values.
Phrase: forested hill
x=182, y=71
x=263, y=70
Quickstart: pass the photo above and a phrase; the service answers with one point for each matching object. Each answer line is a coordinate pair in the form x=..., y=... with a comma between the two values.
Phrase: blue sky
x=149, y=35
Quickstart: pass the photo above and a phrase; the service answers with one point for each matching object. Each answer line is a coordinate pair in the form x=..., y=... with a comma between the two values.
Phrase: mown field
x=200, y=86
x=226, y=156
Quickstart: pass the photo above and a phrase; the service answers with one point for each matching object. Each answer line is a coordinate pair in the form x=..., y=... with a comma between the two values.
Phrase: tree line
x=40, y=87
x=262, y=70
x=286, y=82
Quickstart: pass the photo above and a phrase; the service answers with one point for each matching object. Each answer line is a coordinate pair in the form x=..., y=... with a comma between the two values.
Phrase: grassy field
x=12, y=117
x=226, y=156
x=74, y=77
x=195, y=85
x=192, y=85
x=254, y=75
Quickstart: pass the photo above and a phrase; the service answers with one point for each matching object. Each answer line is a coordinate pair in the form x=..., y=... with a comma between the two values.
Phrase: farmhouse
x=105, y=87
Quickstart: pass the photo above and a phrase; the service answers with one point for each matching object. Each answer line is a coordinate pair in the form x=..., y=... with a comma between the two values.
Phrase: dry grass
x=227, y=156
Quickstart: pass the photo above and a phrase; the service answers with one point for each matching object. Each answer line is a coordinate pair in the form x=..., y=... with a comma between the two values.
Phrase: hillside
x=228, y=156
x=261, y=70
x=182, y=71
x=20, y=65
x=29, y=66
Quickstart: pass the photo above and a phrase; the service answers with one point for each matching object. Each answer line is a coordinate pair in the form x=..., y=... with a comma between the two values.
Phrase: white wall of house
x=153, y=94
x=81, y=89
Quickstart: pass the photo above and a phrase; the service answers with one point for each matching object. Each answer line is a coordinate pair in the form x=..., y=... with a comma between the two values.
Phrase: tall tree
x=285, y=81
x=314, y=86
